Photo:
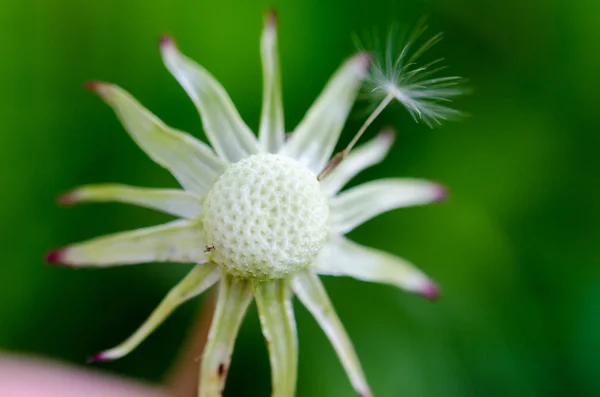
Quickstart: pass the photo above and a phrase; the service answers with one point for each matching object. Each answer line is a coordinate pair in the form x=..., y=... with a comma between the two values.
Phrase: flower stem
x=339, y=157
x=183, y=380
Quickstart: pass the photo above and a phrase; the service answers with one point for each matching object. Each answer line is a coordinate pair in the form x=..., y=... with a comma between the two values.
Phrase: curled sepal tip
x=348, y=209
x=171, y=201
x=229, y=135
x=92, y=86
x=56, y=257
x=193, y=284
x=177, y=241
x=271, y=18
x=166, y=39
x=342, y=257
x=441, y=193
x=98, y=358
x=190, y=161
x=312, y=294
x=430, y=290
x=313, y=141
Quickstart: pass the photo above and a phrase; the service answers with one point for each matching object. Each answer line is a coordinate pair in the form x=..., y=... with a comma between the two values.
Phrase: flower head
x=254, y=216
x=414, y=85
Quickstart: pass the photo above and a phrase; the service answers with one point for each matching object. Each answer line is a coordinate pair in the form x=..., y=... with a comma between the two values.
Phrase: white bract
x=258, y=216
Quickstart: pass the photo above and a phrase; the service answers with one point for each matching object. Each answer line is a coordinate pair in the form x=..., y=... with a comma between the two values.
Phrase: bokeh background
x=516, y=248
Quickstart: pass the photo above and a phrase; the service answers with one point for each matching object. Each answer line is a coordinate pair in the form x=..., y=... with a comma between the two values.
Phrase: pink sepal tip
x=166, y=40
x=66, y=199
x=271, y=17
x=98, y=357
x=365, y=58
x=441, y=193
x=55, y=257
x=92, y=86
x=388, y=134
x=431, y=291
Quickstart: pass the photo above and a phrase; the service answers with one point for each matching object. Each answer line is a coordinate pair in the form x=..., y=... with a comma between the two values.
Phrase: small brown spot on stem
x=209, y=248
x=222, y=369
x=333, y=163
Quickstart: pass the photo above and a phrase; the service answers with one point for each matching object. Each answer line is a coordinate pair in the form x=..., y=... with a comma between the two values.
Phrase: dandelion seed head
x=397, y=72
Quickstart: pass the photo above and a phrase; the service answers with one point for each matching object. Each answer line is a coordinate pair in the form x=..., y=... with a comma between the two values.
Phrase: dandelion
x=400, y=77
x=258, y=216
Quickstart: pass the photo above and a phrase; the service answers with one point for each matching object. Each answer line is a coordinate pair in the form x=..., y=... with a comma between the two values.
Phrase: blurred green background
x=516, y=248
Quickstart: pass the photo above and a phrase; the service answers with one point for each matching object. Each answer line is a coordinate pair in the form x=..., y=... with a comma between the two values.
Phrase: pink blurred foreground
x=31, y=377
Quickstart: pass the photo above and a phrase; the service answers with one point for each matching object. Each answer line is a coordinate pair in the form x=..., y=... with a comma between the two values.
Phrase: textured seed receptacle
x=266, y=217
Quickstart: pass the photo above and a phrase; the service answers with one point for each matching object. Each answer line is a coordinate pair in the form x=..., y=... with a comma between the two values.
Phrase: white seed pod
x=266, y=217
